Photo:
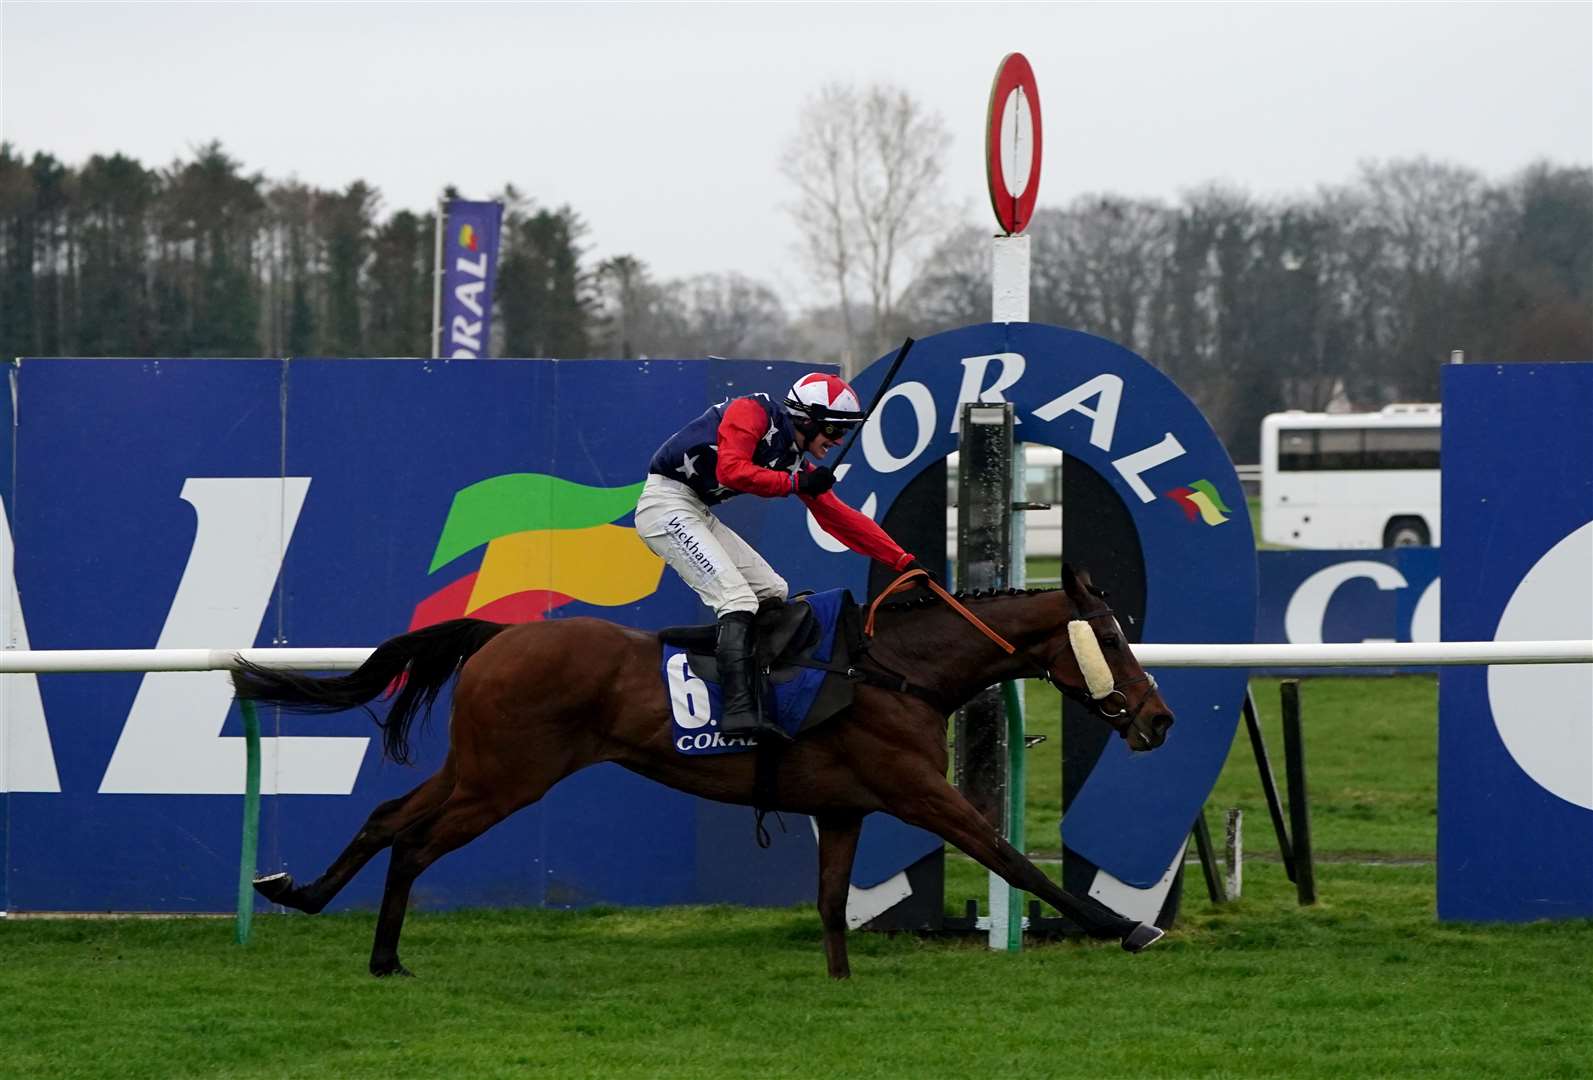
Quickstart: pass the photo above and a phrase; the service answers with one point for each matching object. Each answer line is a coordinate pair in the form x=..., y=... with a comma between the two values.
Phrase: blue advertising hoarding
x=1310, y=597
x=1515, y=743
x=194, y=503
x=154, y=503
x=1119, y=416
x=11, y=699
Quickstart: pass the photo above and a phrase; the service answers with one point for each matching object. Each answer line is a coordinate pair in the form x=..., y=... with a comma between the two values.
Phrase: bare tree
x=636, y=316
x=1098, y=265
x=733, y=315
x=709, y=314
x=867, y=165
x=953, y=287
x=1431, y=218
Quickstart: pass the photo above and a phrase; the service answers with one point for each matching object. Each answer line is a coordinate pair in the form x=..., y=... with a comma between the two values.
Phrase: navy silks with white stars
x=691, y=455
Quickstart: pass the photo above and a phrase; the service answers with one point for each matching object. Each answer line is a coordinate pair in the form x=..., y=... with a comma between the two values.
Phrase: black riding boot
x=738, y=678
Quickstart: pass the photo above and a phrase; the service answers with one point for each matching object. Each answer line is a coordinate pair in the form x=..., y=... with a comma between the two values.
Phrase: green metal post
x=251, y=822
x=1012, y=697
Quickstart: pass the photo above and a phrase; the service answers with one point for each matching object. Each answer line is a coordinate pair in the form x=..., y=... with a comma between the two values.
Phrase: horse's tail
x=421, y=662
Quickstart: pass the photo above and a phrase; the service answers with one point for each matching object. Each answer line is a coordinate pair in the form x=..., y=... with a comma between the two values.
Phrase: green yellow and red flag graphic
x=1201, y=499
x=547, y=542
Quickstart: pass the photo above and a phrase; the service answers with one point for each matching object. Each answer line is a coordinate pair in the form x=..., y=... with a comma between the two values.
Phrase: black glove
x=815, y=482
x=918, y=565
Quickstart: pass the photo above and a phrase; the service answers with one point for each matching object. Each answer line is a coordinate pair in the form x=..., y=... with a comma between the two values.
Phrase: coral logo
x=467, y=237
x=1200, y=499
x=547, y=542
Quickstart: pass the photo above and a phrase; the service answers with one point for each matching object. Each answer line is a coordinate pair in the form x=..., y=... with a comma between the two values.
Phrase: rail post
x=1269, y=786
x=1235, y=853
x=1208, y=859
x=1299, y=797
x=986, y=756
x=247, y=860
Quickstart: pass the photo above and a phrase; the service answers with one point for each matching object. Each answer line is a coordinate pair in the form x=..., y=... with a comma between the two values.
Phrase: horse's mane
x=927, y=598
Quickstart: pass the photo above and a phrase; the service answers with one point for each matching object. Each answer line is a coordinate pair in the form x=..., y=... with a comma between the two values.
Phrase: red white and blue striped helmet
x=824, y=399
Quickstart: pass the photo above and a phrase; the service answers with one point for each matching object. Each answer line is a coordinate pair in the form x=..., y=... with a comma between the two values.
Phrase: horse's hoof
x=383, y=971
x=274, y=887
x=1142, y=937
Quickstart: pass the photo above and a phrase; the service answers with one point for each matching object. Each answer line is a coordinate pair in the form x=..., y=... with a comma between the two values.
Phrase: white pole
x=1009, y=303
x=1235, y=850
x=82, y=660
x=1009, y=279
x=436, y=282
x=1366, y=654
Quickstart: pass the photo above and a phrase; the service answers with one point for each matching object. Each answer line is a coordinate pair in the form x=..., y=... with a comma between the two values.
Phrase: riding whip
x=885, y=384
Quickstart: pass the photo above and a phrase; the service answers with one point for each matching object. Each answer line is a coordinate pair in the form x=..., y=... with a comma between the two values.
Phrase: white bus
x=1042, y=468
x=1351, y=480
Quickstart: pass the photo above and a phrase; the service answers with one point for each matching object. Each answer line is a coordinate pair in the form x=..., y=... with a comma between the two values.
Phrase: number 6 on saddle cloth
x=808, y=649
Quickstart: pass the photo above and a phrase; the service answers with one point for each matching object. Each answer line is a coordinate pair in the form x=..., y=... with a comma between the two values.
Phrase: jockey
x=751, y=445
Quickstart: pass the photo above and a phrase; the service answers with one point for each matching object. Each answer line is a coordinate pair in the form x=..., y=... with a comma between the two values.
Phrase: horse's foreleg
x=943, y=810
x=465, y=816
x=838, y=835
x=385, y=822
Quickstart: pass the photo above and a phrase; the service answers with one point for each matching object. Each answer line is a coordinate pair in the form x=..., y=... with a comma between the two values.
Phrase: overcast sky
x=663, y=124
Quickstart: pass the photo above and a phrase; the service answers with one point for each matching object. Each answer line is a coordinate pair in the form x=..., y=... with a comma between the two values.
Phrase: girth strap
x=765, y=787
x=881, y=677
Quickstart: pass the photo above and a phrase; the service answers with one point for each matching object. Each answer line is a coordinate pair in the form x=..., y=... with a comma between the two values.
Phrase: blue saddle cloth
x=696, y=704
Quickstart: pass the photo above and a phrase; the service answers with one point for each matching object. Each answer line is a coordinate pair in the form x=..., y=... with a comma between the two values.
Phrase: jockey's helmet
x=821, y=403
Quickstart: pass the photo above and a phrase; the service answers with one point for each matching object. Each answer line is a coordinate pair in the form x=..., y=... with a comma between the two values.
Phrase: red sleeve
x=739, y=431
x=857, y=531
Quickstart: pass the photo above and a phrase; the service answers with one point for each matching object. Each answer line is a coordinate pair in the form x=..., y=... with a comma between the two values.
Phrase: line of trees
x=1354, y=295
x=1350, y=297
x=202, y=258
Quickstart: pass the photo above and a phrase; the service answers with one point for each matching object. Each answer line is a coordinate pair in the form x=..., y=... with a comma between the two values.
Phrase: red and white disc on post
x=1012, y=143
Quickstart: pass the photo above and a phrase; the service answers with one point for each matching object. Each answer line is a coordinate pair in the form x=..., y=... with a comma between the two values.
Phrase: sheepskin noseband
x=1087, y=651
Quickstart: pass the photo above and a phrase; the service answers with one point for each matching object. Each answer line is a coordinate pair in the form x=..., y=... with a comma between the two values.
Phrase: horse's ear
x=1076, y=583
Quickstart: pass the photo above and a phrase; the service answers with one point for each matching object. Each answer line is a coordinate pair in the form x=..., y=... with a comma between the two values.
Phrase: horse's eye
x=1110, y=641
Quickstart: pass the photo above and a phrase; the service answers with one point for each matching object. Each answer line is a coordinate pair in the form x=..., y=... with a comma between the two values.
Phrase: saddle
x=790, y=630
x=807, y=661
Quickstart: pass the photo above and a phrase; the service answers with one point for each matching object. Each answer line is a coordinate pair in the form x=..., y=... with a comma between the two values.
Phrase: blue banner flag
x=469, y=266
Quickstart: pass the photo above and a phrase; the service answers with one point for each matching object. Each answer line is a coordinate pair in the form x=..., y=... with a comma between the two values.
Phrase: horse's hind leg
x=465, y=816
x=469, y=811
x=941, y=808
x=384, y=823
x=838, y=835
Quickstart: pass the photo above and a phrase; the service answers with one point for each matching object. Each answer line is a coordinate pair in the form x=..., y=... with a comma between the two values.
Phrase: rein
x=951, y=601
x=1120, y=718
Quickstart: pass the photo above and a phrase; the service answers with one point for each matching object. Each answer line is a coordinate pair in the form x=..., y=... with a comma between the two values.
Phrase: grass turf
x=1371, y=754
x=1366, y=983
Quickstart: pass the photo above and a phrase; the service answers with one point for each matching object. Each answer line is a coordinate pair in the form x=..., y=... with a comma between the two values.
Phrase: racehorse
x=536, y=701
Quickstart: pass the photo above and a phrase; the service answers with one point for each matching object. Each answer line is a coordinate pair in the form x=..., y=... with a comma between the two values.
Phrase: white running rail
x=1364, y=654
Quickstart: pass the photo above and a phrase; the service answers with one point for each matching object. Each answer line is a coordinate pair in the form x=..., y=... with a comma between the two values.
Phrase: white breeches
x=720, y=566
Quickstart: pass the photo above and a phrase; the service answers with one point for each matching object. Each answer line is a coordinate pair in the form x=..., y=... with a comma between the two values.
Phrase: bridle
x=1120, y=715
x=1126, y=714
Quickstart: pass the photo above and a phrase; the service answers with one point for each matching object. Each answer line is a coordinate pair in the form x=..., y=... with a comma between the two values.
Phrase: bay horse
x=536, y=701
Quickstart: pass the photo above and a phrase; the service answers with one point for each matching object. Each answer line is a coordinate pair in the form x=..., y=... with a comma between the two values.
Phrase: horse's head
x=1099, y=666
